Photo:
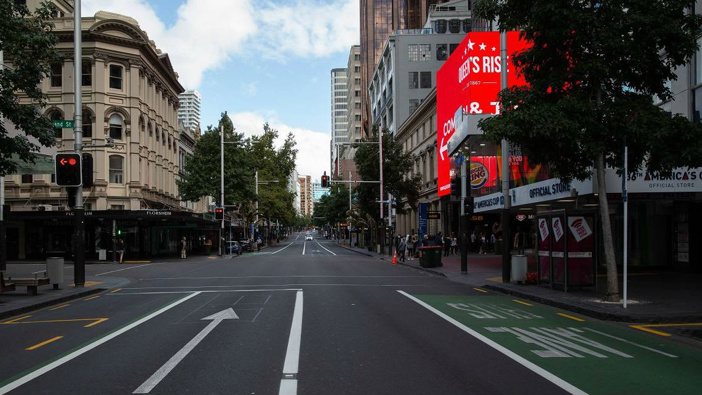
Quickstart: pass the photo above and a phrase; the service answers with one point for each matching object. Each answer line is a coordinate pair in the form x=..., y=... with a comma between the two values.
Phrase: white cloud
x=208, y=33
x=313, y=147
x=251, y=88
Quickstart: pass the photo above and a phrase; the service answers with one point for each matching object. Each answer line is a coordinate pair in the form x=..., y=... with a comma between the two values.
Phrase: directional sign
x=63, y=123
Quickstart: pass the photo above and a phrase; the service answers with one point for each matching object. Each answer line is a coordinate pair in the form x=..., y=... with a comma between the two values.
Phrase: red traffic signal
x=68, y=170
x=219, y=213
x=325, y=181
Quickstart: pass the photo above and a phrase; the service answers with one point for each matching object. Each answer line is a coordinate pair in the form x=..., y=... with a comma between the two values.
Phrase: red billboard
x=468, y=83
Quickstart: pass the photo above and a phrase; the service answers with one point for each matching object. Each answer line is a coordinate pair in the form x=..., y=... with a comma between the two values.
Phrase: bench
x=5, y=286
x=32, y=283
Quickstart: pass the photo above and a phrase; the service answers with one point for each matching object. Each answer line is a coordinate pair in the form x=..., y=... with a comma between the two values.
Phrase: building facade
x=339, y=114
x=130, y=95
x=346, y=168
x=189, y=111
x=306, y=206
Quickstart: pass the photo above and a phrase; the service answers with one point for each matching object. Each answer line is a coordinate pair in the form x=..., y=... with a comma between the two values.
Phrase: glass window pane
x=115, y=77
x=86, y=73
x=116, y=127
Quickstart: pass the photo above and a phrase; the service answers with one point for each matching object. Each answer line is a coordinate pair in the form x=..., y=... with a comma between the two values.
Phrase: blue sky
x=259, y=61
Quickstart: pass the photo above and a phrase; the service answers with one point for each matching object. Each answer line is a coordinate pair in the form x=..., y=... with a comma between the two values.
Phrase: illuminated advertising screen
x=468, y=83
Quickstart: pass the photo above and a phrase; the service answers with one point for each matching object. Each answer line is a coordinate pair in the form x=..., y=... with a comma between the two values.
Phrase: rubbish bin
x=430, y=256
x=519, y=268
x=54, y=268
x=102, y=255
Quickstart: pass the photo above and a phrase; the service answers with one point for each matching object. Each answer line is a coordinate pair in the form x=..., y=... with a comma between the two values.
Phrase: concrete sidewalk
x=654, y=296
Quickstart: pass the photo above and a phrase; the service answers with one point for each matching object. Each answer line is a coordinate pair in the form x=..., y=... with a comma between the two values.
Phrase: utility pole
x=79, y=217
x=506, y=264
x=221, y=186
x=380, y=150
x=463, y=222
x=3, y=232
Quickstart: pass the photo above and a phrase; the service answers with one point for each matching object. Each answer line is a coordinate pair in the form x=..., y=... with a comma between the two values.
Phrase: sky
x=260, y=61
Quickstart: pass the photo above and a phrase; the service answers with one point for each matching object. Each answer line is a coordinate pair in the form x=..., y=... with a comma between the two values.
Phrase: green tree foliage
x=592, y=72
x=28, y=45
x=275, y=200
x=396, y=165
x=203, y=171
x=333, y=207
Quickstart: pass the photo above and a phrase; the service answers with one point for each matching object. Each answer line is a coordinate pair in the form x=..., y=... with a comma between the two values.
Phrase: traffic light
x=456, y=187
x=325, y=180
x=468, y=205
x=87, y=170
x=219, y=213
x=68, y=170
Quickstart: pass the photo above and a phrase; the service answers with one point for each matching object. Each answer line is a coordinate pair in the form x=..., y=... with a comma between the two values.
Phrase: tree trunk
x=612, y=281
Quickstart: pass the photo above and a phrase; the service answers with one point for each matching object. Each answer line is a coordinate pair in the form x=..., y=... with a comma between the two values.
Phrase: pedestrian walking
x=120, y=249
x=454, y=245
x=412, y=246
x=482, y=242
x=447, y=246
x=401, y=245
x=183, y=245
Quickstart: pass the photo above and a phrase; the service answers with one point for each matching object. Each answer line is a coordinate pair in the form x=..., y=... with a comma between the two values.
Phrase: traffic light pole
x=79, y=214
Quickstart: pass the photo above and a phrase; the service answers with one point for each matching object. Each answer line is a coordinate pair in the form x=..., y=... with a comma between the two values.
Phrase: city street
x=311, y=317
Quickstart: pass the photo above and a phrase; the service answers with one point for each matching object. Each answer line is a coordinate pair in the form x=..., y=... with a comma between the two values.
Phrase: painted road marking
x=520, y=302
x=273, y=253
x=304, y=245
x=646, y=327
x=59, y=307
x=89, y=284
x=15, y=320
x=34, y=347
x=515, y=357
x=493, y=311
x=211, y=257
x=480, y=290
x=137, y=261
x=53, y=365
x=129, y=268
x=91, y=298
x=115, y=291
x=160, y=374
x=288, y=384
x=632, y=343
x=96, y=321
x=324, y=247
x=571, y=317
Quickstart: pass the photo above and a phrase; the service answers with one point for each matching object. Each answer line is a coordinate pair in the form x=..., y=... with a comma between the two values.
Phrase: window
x=357, y=93
x=441, y=52
x=425, y=80
x=117, y=207
x=158, y=135
x=86, y=70
x=357, y=69
x=413, y=80
x=115, y=77
x=440, y=26
x=467, y=26
x=357, y=105
x=413, y=105
x=357, y=81
x=116, y=127
x=454, y=26
x=413, y=52
x=452, y=48
x=56, y=80
x=87, y=124
x=356, y=57
x=424, y=52
x=116, y=163
x=357, y=118
x=27, y=178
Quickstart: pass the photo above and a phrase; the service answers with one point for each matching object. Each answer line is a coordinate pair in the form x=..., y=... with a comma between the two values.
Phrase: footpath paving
x=654, y=297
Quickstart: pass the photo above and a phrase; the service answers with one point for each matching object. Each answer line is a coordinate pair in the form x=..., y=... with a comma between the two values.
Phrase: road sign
x=63, y=123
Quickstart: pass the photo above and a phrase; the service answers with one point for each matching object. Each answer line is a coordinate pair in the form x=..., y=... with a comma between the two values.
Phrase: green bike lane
x=579, y=354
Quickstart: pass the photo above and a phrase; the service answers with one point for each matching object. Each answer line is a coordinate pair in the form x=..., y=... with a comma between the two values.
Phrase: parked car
x=233, y=247
x=245, y=245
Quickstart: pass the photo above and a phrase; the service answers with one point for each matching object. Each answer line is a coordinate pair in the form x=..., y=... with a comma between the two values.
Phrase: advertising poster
x=558, y=251
x=581, y=242
x=422, y=211
x=544, y=248
x=468, y=83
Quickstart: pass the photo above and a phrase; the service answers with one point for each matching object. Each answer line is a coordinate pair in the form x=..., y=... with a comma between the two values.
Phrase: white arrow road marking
x=53, y=365
x=160, y=374
x=288, y=385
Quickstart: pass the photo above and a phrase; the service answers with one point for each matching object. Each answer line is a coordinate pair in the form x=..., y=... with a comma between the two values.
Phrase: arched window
x=454, y=26
x=163, y=138
x=158, y=135
x=440, y=26
x=116, y=169
x=116, y=127
x=151, y=130
x=87, y=124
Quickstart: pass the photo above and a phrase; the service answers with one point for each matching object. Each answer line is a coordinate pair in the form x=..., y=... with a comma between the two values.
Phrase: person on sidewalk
x=447, y=245
x=454, y=245
x=412, y=246
x=120, y=249
x=183, y=245
x=482, y=242
x=438, y=240
x=401, y=249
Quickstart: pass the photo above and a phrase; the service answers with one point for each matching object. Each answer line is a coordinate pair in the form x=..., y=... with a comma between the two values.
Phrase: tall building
x=306, y=206
x=318, y=191
x=406, y=71
x=294, y=187
x=379, y=18
x=338, y=113
x=346, y=163
x=189, y=110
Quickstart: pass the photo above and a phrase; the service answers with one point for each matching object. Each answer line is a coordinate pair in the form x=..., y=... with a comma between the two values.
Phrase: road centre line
x=571, y=317
x=34, y=347
x=630, y=342
x=304, y=245
x=522, y=361
x=115, y=290
x=67, y=358
x=324, y=248
x=288, y=384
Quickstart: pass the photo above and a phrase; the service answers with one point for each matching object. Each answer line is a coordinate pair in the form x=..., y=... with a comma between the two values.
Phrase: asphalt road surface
x=310, y=317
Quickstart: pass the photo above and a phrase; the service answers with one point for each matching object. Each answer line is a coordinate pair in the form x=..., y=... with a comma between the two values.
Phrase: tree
x=203, y=172
x=396, y=165
x=592, y=72
x=28, y=46
x=334, y=206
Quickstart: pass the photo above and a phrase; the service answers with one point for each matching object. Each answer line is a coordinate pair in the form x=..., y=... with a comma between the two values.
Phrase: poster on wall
x=467, y=85
x=557, y=228
x=581, y=242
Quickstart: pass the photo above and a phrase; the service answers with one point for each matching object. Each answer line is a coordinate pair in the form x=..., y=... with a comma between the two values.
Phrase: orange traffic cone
x=394, y=258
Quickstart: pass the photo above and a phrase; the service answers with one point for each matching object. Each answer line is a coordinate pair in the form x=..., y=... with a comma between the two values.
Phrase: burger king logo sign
x=478, y=175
